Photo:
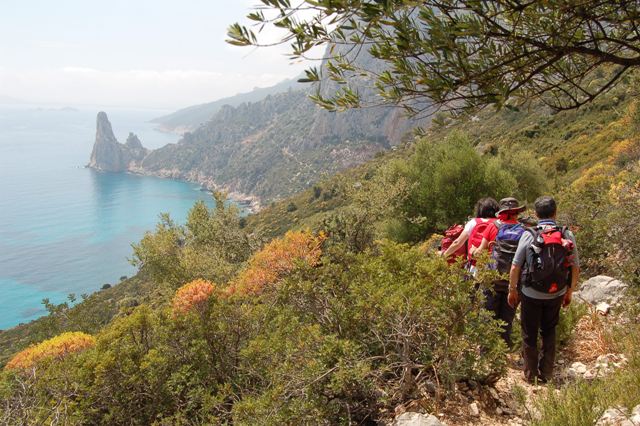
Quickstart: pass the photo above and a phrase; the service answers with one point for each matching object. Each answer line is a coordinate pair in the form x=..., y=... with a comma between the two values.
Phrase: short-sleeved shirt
x=524, y=256
x=468, y=227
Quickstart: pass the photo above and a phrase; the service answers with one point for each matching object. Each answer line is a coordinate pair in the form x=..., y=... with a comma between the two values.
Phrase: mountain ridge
x=277, y=146
x=190, y=118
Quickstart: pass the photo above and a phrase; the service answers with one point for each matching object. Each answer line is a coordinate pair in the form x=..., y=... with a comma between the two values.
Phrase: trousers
x=539, y=316
x=496, y=302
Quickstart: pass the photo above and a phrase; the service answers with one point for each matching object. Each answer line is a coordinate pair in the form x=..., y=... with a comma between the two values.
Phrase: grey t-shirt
x=524, y=256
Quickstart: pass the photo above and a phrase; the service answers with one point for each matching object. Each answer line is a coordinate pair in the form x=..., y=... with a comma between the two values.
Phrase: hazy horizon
x=152, y=54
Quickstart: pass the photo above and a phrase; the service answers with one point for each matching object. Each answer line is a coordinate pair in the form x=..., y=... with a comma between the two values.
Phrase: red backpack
x=552, y=259
x=477, y=234
x=450, y=235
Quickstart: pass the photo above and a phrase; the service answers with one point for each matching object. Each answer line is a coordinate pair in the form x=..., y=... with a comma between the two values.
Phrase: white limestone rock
x=474, y=410
x=602, y=289
x=577, y=369
x=614, y=416
x=417, y=419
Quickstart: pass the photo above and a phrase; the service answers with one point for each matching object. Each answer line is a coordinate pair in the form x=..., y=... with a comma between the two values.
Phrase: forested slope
x=314, y=310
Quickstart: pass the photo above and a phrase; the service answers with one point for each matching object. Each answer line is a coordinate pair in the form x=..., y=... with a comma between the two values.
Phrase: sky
x=163, y=54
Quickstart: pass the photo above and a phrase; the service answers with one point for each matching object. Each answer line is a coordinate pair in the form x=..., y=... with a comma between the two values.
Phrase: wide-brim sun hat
x=510, y=205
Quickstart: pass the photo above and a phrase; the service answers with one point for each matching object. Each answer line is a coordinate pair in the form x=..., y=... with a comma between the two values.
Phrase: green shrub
x=211, y=245
x=562, y=165
x=569, y=318
x=291, y=207
x=317, y=191
x=603, y=208
x=446, y=179
x=413, y=316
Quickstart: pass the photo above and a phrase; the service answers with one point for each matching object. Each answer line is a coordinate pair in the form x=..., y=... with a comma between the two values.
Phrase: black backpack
x=550, y=251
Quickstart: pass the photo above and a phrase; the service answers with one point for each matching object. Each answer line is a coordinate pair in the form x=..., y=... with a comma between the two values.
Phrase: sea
x=66, y=229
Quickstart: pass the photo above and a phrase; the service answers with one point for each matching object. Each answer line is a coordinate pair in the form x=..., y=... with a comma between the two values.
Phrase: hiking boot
x=542, y=380
x=516, y=363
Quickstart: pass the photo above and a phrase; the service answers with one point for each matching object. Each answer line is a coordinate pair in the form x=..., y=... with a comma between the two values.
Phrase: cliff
x=278, y=146
x=266, y=149
x=263, y=150
x=111, y=156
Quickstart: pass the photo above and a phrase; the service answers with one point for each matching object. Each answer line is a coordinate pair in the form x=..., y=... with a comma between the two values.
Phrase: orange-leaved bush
x=56, y=347
x=276, y=259
x=192, y=295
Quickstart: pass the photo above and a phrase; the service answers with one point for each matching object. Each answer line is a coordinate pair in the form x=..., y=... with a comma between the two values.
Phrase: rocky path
x=510, y=401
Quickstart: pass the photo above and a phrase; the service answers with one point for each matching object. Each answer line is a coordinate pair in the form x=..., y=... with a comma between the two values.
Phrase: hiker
x=543, y=276
x=485, y=213
x=501, y=238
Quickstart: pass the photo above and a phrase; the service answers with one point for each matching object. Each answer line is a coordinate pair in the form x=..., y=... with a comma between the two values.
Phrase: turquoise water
x=63, y=228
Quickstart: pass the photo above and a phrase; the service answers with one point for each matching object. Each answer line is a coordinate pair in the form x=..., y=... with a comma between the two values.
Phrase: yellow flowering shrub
x=193, y=295
x=56, y=347
x=594, y=178
x=626, y=152
x=276, y=259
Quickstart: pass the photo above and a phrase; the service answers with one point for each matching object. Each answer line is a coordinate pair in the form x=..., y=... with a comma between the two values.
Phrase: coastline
x=246, y=201
x=178, y=130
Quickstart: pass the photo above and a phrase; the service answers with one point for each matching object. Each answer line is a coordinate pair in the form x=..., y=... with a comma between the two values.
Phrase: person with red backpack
x=543, y=276
x=460, y=241
x=502, y=238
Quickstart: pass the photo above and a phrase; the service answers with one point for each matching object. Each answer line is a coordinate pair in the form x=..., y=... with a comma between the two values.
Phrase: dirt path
x=511, y=400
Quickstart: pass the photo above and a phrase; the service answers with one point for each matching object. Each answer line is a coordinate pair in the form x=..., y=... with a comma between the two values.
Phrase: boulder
x=616, y=416
x=417, y=419
x=494, y=394
x=601, y=289
x=577, y=369
x=635, y=415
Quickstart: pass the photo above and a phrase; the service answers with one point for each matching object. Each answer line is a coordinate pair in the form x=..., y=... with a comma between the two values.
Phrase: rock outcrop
x=620, y=416
x=602, y=289
x=111, y=156
x=136, y=150
x=417, y=419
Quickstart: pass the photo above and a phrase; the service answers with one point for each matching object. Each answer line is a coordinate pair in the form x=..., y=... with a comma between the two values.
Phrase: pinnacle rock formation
x=111, y=156
x=137, y=151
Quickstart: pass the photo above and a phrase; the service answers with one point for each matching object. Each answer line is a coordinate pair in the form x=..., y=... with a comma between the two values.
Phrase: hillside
x=566, y=144
x=274, y=147
x=311, y=311
x=190, y=118
x=336, y=301
x=569, y=143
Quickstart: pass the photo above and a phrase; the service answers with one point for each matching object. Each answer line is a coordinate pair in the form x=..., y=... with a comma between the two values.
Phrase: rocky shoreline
x=246, y=201
x=111, y=156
